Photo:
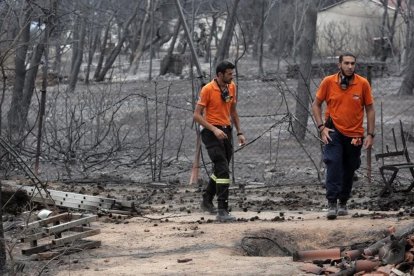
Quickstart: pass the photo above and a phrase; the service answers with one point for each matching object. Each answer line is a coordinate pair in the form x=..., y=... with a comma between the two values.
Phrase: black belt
x=223, y=127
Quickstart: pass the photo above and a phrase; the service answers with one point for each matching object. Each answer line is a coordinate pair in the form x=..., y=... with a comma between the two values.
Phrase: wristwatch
x=372, y=134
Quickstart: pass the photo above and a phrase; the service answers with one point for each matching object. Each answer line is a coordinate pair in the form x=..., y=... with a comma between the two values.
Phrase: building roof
x=392, y=4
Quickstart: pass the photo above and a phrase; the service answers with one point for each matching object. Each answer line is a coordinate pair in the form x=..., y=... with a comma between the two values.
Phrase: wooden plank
x=74, y=237
x=80, y=245
x=84, y=244
x=42, y=256
x=37, y=249
x=125, y=203
x=120, y=212
x=34, y=237
x=80, y=229
x=70, y=224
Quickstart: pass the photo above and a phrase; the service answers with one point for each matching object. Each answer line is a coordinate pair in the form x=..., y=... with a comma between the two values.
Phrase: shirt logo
x=356, y=97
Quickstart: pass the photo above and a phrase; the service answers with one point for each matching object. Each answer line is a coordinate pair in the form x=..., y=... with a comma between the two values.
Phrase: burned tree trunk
x=142, y=40
x=224, y=46
x=305, y=67
x=2, y=244
x=261, y=39
x=93, y=40
x=167, y=59
x=77, y=50
x=22, y=94
x=14, y=115
x=115, y=52
x=210, y=37
x=103, y=50
x=388, y=29
x=407, y=85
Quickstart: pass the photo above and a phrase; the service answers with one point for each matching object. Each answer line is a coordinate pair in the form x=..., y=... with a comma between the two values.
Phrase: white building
x=355, y=25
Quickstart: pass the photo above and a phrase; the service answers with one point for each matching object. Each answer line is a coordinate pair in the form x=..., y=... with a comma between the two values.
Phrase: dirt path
x=173, y=237
x=181, y=245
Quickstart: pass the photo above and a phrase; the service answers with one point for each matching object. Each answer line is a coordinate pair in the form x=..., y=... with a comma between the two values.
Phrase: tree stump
x=172, y=64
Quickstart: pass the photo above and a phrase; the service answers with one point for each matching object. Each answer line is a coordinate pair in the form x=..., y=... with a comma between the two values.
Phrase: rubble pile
x=392, y=255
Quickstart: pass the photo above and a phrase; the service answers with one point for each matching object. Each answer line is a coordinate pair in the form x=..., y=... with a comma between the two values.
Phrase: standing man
x=346, y=95
x=216, y=112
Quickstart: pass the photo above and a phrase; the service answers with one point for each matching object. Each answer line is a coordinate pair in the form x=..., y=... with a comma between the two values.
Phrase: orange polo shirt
x=346, y=107
x=217, y=111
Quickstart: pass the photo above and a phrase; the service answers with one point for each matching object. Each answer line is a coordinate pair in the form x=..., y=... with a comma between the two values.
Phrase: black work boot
x=207, y=204
x=342, y=210
x=224, y=216
x=332, y=212
x=208, y=195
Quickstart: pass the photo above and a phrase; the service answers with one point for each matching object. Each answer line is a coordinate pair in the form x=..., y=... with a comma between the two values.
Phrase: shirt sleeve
x=204, y=96
x=368, y=98
x=321, y=93
x=233, y=87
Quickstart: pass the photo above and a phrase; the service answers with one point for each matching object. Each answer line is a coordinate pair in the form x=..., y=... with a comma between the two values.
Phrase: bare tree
x=213, y=30
x=142, y=39
x=224, y=46
x=103, y=48
x=297, y=26
x=388, y=29
x=2, y=244
x=78, y=45
x=305, y=47
x=117, y=49
x=93, y=35
x=406, y=14
x=250, y=18
x=15, y=117
x=25, y=78
x=261, y=37
x=407, y=84
x=279, y=30
x=5, y=54
x=168, y=57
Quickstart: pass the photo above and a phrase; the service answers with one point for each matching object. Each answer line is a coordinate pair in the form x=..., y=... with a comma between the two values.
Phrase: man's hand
x=242, y=140
x=356, y=141
x=220, y=134
x=325, y=135
x=368, y=142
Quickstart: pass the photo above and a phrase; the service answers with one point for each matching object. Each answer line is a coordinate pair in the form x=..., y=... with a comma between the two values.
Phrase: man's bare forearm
x=370, y=119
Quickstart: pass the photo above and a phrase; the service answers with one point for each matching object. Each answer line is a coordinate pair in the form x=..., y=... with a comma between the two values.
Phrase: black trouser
x=220, y=153
x=342, y=159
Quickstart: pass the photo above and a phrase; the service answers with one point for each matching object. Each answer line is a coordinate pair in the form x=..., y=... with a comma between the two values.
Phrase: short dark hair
x=223, y=66
x=346, y=54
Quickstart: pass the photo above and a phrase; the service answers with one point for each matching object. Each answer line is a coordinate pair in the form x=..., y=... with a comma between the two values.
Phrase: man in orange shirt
x=347, y=95
x=216, y=112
